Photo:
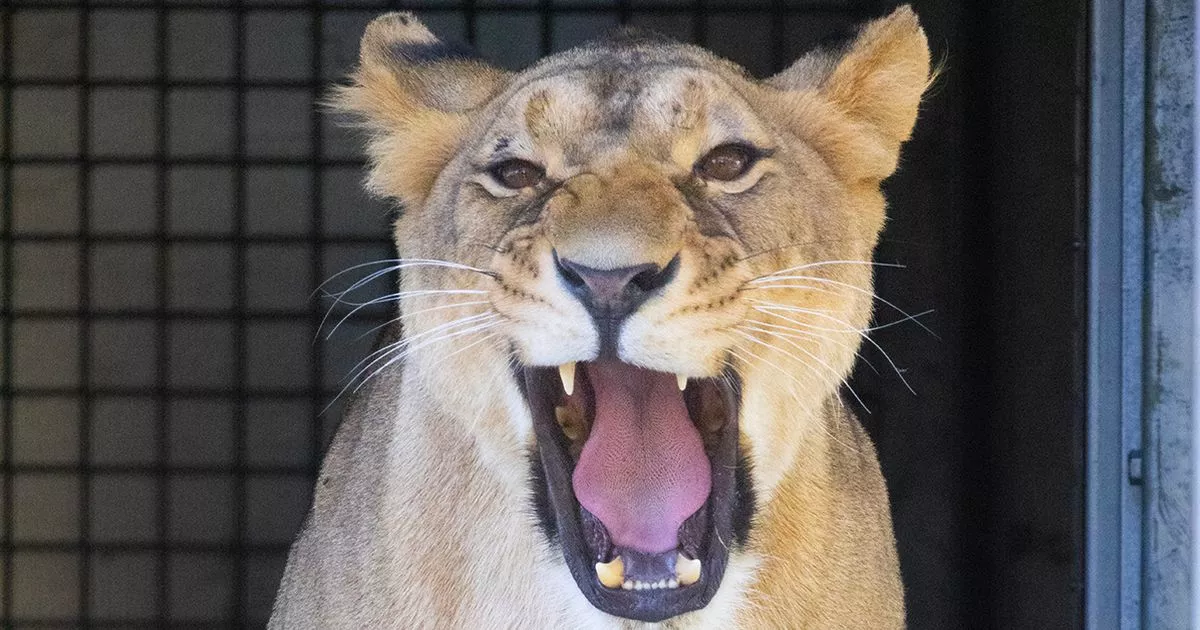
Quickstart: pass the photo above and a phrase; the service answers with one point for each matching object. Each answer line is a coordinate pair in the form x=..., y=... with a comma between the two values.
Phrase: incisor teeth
x=681, y=380
x=611, y=574
x=640, y=585
x=566, y=372
x=687, y=570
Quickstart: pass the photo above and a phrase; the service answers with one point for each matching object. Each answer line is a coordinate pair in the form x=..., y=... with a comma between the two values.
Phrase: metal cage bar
x=1113, y=529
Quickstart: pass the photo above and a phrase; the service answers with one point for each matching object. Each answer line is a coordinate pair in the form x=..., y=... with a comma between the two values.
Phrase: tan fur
x=421, y=517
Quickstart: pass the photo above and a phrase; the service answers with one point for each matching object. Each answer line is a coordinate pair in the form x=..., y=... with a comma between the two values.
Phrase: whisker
x=400, y=295
x=392, y=297
x=814, y=357
x=386, y=261
x=864, y=335
x=863, y=291
x=370, y=359
x=825, y=263
x=339, y=297
x=728, y=380
x=396, y=264
x=797, y=309
x=487, y=337
x=762, y=252
x=849, y=328
x=901, y=321
x=409, y=339
x=792, y=287
x=402, y=352
x=824, y=429
x=409, y=350
x=420, y=311
x=797, y=333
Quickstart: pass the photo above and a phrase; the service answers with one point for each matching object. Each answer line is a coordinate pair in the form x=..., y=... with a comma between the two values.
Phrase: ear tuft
x=403, y=63
x=867, y=96
x=882, y=77
x=401, y=38
x=392, y=30
x=413, y=93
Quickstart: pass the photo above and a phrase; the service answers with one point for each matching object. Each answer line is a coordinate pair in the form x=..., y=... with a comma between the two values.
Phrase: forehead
x=585, y=109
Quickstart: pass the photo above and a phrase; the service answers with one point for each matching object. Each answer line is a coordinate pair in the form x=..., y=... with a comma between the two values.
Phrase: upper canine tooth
x=687, y=570
x=611, y=574
x=566, y=372
x=681, y=380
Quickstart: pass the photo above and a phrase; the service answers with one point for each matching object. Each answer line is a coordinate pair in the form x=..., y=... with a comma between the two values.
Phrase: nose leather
x=614, y=293
x=606, y=287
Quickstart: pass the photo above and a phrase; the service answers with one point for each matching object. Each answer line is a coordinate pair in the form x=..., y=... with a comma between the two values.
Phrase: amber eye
x=517, y=174
x=726, y=162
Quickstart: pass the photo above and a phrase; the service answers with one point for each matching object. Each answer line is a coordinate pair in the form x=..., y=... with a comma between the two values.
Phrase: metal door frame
x=1142, y=317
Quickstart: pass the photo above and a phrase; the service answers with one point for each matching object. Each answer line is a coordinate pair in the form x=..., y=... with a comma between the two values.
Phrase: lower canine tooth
x=687, y=570
x=611, y=574
x=570, y=422
x=566, y=372
x=681, y=380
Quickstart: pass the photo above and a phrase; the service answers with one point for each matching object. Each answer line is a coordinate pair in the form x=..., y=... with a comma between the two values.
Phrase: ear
x=413, y=93
x=862, y=104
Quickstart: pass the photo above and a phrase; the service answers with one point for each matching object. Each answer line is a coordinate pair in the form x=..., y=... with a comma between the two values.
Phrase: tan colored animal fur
x=421, y=515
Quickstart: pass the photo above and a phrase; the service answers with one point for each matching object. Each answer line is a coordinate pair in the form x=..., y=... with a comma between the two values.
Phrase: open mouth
x=638, y=478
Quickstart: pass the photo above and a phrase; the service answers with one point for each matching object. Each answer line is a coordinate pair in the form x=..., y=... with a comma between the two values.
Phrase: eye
x=726, y=162
x=517, y=174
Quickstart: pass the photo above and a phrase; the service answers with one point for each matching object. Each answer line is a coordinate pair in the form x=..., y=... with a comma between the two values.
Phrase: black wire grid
x=171, y=199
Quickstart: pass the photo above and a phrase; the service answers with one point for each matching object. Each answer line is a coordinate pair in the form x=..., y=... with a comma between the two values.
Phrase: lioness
x=633, y=281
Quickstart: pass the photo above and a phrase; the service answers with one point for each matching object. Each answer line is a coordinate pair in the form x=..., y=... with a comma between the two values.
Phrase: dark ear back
x=435, y=74
x=412, y=92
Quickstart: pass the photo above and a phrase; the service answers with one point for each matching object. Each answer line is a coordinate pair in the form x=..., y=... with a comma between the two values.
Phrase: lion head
x=642, y=265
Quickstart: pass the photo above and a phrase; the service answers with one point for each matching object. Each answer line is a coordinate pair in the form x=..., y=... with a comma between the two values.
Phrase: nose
x=614, y=293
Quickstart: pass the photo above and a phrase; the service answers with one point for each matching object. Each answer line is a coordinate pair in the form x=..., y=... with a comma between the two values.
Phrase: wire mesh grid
x=171, y=199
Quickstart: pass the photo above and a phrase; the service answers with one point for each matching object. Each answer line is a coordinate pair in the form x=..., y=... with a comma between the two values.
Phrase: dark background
x=171, y=199
x=985, y=463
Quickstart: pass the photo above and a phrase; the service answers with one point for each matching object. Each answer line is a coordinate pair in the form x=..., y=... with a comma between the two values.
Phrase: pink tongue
x=643, y=470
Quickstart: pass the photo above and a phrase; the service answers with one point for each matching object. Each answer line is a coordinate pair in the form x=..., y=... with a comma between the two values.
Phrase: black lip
x=729, y=504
